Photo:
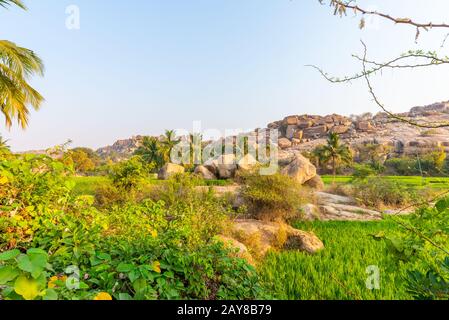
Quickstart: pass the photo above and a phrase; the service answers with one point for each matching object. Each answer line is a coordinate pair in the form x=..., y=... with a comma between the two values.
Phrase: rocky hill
x=305, y=132
x=121, y=148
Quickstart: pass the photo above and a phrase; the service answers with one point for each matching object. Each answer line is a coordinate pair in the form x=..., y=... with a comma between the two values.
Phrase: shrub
x=197, y=212
x=363, y=171
x=108, y=194
x=423, y=244
x=128, y=175
x=376, y=193
x=272, y=197
x=147, y=250
x=29, y=185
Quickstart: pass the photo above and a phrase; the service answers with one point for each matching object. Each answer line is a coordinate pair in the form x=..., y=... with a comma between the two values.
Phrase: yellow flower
x=52, y=281
x=157, y=266
x=4, y=180
x=152, y=231
x=103, y=296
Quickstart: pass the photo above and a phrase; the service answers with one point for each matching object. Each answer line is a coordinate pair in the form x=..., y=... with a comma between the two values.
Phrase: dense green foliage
x=139, y=250
x=378, y=193
x=423, y=242
x=432, y=164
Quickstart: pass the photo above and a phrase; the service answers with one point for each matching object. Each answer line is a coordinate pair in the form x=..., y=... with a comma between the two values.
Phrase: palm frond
x=7, y=3
x=17, y=64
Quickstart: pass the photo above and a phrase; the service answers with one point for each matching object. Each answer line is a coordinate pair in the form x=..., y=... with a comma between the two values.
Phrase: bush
x=423, y=247
x=128, y=175
x=107, y=195
x=377, y=193
x=197, y=212
x=363, y=171
x=70, y=249
x=29, y=185
x=272, y=197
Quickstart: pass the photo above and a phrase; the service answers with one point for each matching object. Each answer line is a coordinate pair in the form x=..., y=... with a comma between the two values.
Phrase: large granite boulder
x=284, y=143
x=300, y=169
x=247, y=163
x=315, y=183
x=203, y=172
x=262, y=236
x=169, y=170
x=315, y=132
x=226, y=166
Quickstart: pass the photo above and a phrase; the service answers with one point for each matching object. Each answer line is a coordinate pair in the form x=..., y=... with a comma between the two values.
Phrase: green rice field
x=339, y=272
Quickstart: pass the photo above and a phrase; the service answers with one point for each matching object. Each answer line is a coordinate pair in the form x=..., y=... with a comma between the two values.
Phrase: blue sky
x=142, y=66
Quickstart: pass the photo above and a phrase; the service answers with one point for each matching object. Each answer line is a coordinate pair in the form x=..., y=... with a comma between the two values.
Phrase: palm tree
x=150, y=152
x=334, y=152
x=4, y=148
x=195, y=141
x=169, y=142
x=17, y=65
x=5, y=3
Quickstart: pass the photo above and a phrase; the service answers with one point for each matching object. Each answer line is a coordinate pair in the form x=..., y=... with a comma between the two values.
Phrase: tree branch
x=341, y=8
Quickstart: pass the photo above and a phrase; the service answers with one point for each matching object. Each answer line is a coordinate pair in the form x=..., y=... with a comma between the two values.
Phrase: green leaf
x=33, y=262
x=124, y=297
x=104, y=256
x=123, y=267
x=442, y=205
x=8, y=274
x=37, y=252
x=8, y=255
x=50, y=295
x=24, y=263
x=27, y=288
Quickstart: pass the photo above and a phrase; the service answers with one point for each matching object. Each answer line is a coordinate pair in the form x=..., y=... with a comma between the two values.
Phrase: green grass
x=411, y=182
x=339, y=271
x=88, y=185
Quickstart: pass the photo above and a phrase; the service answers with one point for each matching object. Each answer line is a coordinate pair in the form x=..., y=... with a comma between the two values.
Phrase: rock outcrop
x=300, y=169
x=169, y=170
x=332, y=207
x=305, y=132
x=262, y=236
x=204, y=173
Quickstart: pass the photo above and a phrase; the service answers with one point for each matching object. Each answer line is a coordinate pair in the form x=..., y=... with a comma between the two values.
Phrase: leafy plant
x=272, y=197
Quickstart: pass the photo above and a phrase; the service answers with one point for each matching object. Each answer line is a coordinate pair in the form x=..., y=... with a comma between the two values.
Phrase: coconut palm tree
x=334, y=152
x=150, y=152
x=169, y=142
x=17, y=65
x=4, y=148
x=6, y=3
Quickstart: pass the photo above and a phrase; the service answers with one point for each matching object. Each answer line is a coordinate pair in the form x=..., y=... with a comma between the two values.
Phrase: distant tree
x=82, y=159
x=17, y=65
x=334, y=153
x=439, y=158
x=374, y=154
x=151, y=152
x=169, y=142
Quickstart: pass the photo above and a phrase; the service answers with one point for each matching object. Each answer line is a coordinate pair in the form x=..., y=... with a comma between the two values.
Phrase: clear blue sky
x=141, y=66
